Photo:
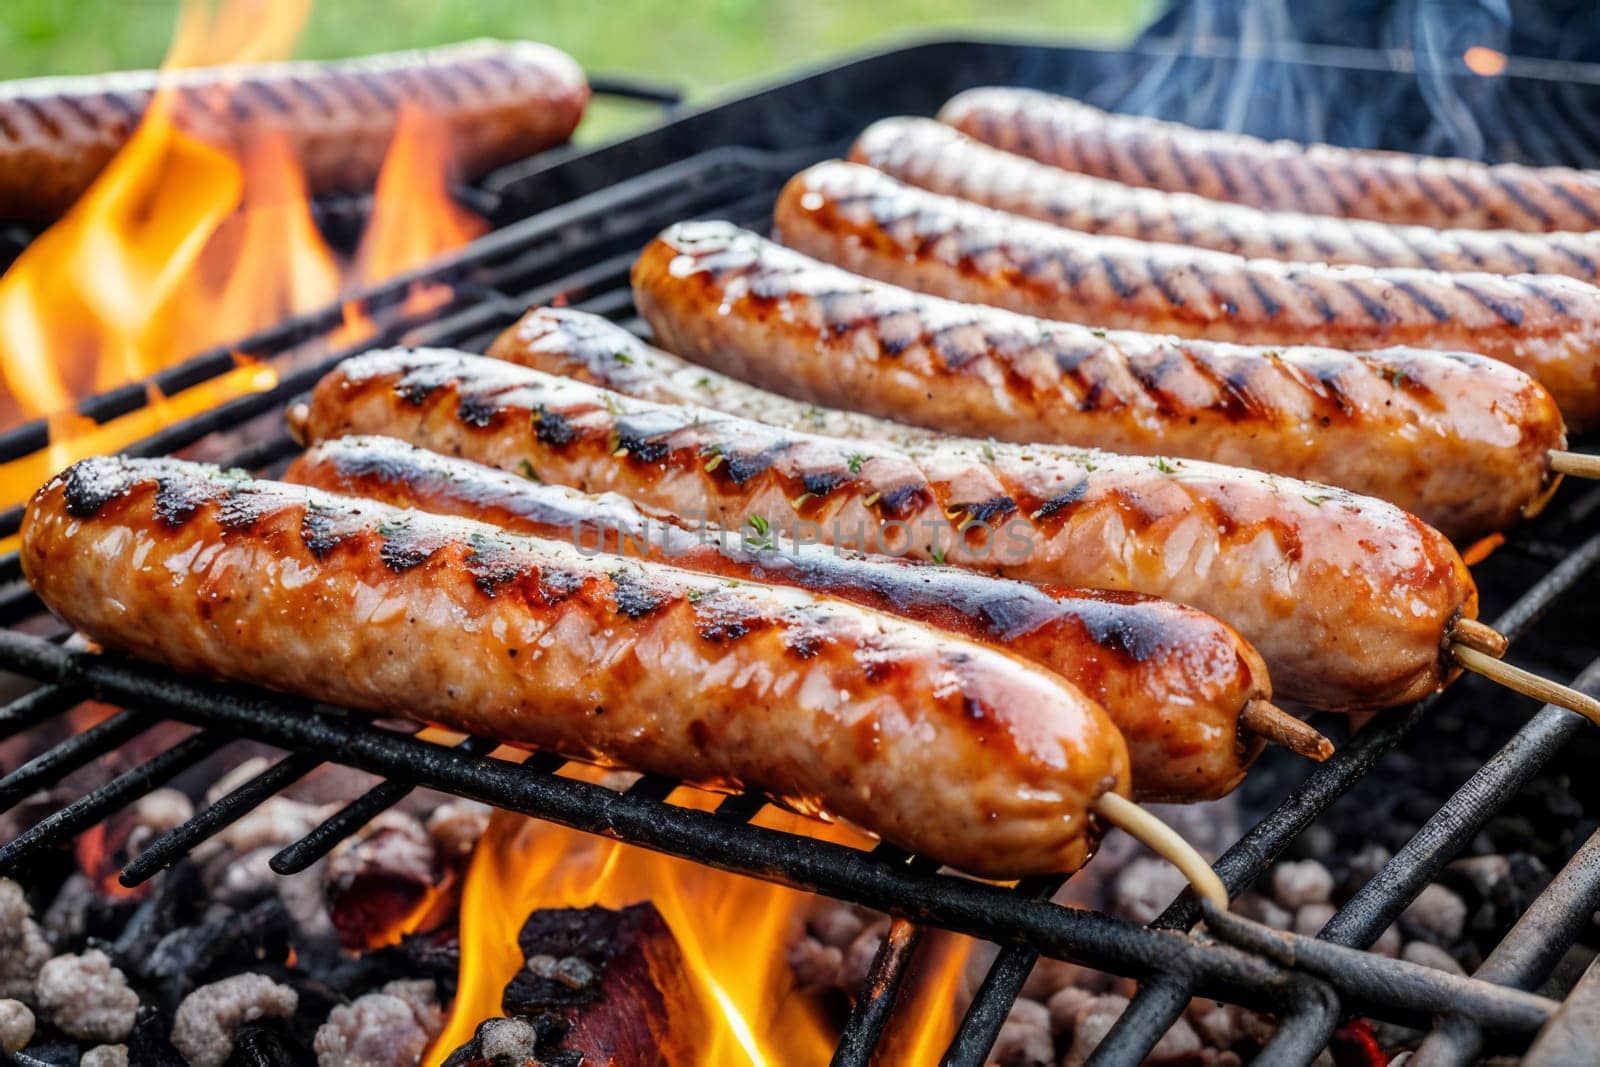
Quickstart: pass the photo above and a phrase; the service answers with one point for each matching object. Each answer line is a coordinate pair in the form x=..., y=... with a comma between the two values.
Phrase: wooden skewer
x=1479, y=637
x=1527, y=683
x=1577, y=464
x=1271, y=723
x=1165, y=842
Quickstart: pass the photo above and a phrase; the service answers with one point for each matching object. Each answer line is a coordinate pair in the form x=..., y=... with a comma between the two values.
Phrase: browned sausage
x=1174, y=680
x=1461, y=441
x=1281, y=175
x=941, y=159
x=944, y=746
x=499, y=101
x=865, y=221
x=1349, y=600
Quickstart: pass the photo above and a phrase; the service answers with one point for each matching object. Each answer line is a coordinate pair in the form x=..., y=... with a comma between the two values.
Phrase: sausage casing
x=1172, y=679
x=943, y=746
x=866, y=222
x=500, y=101
x=1347, y=599
x=1461, y=441
x=942, y=159
x=1281, y=175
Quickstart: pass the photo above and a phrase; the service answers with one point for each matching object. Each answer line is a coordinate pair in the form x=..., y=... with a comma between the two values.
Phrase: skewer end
x=1526, y=682
x=1576, y=464
x=1479, y=637
x=1271, y=723
x=1165, y=842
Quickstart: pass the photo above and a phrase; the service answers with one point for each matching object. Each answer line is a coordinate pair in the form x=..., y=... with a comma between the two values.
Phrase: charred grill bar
x=570, y=224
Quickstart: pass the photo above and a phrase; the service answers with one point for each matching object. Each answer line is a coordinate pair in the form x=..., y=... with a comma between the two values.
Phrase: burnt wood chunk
x=617, y=979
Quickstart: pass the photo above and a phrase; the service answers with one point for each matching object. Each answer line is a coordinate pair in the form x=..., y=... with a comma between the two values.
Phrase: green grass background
x=704, y=46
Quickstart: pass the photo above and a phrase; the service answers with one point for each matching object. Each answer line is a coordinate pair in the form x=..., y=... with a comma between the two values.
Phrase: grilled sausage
x=1347, y=599
x=940, y=745
x=1174, y=680
x=1461, y=441
x=864, y=221
x=500, y=101
x=1280, y=175
x=941, y=159
x=576, y=344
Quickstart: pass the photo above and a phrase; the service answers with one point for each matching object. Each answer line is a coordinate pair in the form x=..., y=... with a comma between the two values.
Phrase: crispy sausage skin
x=1280, y=175
x=947, y=747
x=1172, y=679
x=860, y=219
x=1461, y=441
x=1347, y=599
x=499, y=101
x=942, y=159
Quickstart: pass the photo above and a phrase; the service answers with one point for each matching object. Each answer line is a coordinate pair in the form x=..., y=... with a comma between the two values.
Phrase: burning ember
x=179, y=247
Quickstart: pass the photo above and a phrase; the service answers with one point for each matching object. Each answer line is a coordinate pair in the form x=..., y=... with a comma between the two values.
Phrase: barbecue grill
x=569, y=223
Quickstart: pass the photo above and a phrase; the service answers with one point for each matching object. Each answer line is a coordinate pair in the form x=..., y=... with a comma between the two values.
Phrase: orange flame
x=180, y=247
x=732, y=932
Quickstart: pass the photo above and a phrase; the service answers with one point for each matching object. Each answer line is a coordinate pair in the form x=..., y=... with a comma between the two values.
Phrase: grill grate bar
x=875, y=1003
x=177, y=842
x=980, y=1025
x=92, y=808
x=326, y=835
x=1527, y=954
x=1157, y=1005
x=30, y=709
x=1379, y=903
x=75, y=752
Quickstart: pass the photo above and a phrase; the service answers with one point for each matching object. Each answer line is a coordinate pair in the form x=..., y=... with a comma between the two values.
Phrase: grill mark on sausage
x=438, y=79
x=1163, y=283
x=80, y=111
x=742, y=466
x=1509, y=312
x=375, y=85
x=1514, y=192
x=319, y=530
x=401, y=550
x=491, y=565
x=1222, y=173
x=303, y=87
x=1575, y=202
x=1584, y=263
x=476, y=409
x=1137, y=151
x=1463, y=189
x=1424, y=301
x=1268, y=304
x=90, y=487
x=641, y=434
x=1124, y=289
x=1055, y=505
x=1375, y=309
x=1550, y=300
x=634, y=596
x=905, y=500
x=240, y=511
x=41, y=115
x=1527, y=263
x=267, y=94
x=552, y=427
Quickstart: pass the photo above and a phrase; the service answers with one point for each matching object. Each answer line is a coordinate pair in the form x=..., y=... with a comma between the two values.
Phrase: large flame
x=733, y=932
x=179, y=247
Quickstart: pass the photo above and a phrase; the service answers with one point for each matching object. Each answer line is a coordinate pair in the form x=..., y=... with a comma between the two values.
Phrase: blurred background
x=702, y=46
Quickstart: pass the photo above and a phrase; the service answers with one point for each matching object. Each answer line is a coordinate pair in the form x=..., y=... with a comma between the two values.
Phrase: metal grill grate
x=579, y=254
